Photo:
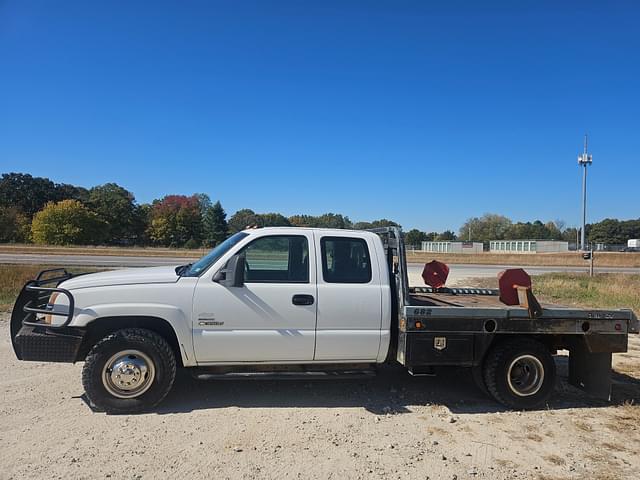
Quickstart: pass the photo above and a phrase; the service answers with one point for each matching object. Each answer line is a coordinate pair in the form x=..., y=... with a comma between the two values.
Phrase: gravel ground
x=392, y=426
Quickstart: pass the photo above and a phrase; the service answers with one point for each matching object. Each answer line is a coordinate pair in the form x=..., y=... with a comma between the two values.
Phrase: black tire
x=150, y=346
x=510, y=371
x=478, y=378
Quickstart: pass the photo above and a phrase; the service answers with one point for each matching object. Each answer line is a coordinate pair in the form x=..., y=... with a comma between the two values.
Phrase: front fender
x=175, y=316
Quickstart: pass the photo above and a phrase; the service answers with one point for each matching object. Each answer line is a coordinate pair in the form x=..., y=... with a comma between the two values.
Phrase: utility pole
x=584, y=160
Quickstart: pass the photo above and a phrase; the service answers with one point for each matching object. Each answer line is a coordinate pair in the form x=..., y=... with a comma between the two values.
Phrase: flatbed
x=460, y=326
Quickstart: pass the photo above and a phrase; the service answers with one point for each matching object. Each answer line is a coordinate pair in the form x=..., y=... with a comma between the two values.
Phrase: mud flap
x=589, y=371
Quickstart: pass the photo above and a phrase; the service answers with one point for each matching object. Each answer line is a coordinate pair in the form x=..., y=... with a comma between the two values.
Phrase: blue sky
x=424, y=112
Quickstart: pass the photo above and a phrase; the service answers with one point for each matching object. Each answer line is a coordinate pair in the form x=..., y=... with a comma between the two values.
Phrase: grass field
x=13, y=278
x=607, y=290
x=570, y=259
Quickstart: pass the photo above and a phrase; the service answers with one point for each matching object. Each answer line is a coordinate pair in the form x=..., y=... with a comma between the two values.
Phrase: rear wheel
x=129, y=371
x=520, y=374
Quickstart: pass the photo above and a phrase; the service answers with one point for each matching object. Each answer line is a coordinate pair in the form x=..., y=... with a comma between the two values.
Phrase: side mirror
x=232, y=275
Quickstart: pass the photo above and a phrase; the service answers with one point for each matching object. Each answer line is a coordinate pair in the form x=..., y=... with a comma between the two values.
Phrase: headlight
x=52, y=300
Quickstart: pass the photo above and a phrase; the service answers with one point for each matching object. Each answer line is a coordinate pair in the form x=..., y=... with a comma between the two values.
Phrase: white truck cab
x=305, y=295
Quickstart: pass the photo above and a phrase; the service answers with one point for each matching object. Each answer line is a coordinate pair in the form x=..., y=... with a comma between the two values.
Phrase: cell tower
x=584, y=160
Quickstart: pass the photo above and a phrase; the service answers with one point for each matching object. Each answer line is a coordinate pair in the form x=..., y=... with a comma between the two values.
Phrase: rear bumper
x=41, y=344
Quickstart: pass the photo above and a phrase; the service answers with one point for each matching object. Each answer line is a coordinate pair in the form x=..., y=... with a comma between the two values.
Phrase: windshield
x=213, y=256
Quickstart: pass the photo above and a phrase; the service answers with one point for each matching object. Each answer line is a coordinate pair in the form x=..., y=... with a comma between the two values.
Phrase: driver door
x=272, y=317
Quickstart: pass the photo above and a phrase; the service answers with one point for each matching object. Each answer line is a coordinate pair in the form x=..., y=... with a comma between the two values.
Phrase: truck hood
x=128, y=276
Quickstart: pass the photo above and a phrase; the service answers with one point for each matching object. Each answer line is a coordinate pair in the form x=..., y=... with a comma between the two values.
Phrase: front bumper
x=41, y=344
x=36, y=340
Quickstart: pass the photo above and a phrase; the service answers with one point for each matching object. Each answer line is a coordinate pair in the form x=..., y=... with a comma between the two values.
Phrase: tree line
x=492, y=226
x=35, y=209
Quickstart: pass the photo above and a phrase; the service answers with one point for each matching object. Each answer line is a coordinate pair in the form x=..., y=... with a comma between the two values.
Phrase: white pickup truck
x=301, y=301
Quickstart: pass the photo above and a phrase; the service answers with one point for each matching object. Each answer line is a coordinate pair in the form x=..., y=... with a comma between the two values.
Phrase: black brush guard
x=34, y=339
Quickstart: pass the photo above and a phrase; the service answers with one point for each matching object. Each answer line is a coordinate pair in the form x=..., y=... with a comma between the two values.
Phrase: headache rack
x=36, y=294
x=38, y=339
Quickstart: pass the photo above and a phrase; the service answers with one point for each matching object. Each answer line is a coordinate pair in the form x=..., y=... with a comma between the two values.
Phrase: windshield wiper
x=182, y=268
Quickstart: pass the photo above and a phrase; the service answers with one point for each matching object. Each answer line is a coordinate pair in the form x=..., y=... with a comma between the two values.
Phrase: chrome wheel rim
x=128, y=374
x=525, y=375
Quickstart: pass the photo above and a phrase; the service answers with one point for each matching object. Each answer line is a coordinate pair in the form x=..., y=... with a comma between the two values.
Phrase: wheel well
x=101, y=327
x=552, y=342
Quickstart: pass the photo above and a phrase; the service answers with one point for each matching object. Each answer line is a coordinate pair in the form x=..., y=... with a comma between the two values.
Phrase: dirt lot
x=392, y=426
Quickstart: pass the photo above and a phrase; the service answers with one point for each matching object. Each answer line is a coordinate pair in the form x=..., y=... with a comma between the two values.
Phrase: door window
x=277, y=259
x=345, y=260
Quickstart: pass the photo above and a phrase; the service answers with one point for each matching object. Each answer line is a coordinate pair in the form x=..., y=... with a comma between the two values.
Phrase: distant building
x=452, y=247
x=528, y=246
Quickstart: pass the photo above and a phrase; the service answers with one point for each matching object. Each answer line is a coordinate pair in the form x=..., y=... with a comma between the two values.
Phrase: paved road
x=457, y=274
x=91, y=260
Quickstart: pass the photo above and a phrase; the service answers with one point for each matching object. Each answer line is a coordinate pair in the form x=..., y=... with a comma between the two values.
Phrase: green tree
x=64, y=191
x=116, y=207
x=242, y=219
x=326, y=220
x=430, y=236
x=486, y=228
x=30, y=194
x=333, y=220
x=613, y=231
x=383, y=222
x=15, y=226
x=214, y=223
x=204, y=201
x=446, y=236
x=25, y=192
x=66, y=222
x=629, y=229
x=303, y=220
x=175, y=220
x=569, y=235
x=141, y=222
x=273, y=220
x=533, y=231
x=415, y=237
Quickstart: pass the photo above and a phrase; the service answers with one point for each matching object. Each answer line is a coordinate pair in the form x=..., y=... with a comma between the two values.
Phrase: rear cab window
x=345, y=260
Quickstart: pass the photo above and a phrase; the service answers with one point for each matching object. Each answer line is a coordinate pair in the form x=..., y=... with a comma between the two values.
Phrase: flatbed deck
x=433, y=307
x=483, y=299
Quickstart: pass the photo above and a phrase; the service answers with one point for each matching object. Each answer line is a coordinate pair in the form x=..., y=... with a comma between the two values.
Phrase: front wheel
x=520, y=374
x=129, y=371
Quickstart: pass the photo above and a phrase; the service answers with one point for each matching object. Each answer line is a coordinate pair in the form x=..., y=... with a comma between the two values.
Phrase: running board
x=285, y=375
